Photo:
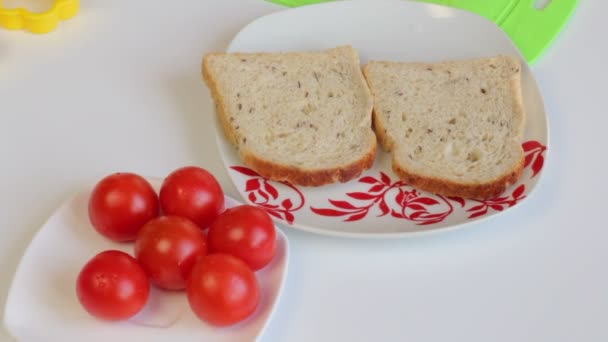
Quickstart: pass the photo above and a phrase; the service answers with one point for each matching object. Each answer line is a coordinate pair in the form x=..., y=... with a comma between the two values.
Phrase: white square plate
x=42, y=303
x=378, y=204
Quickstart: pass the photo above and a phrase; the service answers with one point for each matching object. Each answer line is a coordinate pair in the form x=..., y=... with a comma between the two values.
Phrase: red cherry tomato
x=112, y=286
x=121, y=204
x=222, y=290
x=193, y=193
x=246, y=232
x=167, y=248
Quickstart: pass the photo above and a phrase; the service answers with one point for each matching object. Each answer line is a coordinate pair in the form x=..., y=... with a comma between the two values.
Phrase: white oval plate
x=43, y=292
x=377, y=204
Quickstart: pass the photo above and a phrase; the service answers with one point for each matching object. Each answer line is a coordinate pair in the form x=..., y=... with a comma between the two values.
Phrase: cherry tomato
x=167, y=248
x=121, y=204
x=112, y=286
x=246, y=232
x=193, y=193
x=222, y=289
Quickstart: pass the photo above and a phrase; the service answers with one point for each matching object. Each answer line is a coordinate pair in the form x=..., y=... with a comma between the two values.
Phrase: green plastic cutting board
x=532, y=29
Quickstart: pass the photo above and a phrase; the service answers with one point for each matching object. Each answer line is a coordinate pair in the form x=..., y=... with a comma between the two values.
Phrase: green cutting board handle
x=533, y=30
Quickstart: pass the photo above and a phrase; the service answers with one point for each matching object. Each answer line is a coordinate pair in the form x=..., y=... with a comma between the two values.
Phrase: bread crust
x=295, y=175
x=450, y=188
x=218, y=99
x=276, y=171
x=378, y=126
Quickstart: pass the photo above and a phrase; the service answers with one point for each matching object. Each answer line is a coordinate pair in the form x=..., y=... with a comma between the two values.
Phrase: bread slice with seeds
x=454, y=128
x=304, y=117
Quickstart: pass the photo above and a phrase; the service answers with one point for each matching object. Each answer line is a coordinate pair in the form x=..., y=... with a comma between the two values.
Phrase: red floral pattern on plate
x=383, y=196
x=389, y=197
x=262, y=192
x=425, y=208
x=534, y=156
x=498, y=203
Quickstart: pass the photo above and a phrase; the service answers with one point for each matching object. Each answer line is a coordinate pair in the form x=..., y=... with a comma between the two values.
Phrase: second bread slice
x=454, y=128
x=304, y=117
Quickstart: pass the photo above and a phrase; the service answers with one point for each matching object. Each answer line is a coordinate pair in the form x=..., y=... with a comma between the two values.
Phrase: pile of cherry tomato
x=184, y=240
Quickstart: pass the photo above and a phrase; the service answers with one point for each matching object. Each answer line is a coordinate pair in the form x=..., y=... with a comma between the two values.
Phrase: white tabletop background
x=118, y=89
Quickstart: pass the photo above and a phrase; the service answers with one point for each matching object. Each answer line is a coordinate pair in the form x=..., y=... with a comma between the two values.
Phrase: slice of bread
x=454, y=128
x=304, y=118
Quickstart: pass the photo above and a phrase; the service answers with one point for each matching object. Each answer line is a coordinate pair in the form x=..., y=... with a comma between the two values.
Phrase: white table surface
x=118, y=88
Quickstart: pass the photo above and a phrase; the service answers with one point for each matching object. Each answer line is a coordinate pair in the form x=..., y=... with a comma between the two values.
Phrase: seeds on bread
x=454, y=128
x=304, y=117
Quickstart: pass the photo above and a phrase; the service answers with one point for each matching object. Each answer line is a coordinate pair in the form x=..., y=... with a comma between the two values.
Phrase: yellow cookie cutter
x=22, y=19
